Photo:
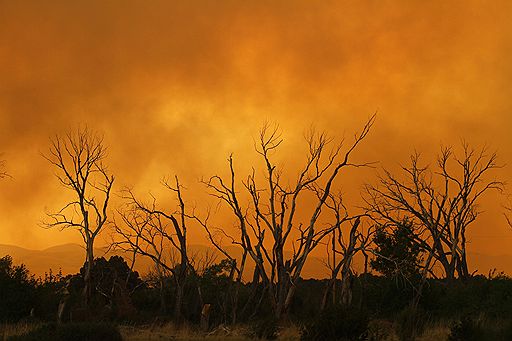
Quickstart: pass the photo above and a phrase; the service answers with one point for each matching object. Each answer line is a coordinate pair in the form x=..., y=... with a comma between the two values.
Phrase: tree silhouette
x=114, y=283
x=397, y=254
x=343, y=246
x=440, y=202
x=16, y=290
x=274, y=206
x=78, y=158
x=158, y=234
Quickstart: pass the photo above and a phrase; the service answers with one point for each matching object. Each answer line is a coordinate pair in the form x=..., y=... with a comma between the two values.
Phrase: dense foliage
x=398, y=255
x=337, y=323
x=17, y=290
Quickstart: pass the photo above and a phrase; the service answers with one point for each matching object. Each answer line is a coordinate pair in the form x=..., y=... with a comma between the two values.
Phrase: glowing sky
x=177, y=86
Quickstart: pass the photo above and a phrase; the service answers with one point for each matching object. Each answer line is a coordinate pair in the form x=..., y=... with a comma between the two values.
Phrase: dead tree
x=237, y=268
x=78, y=158
x=273, y=208
x=343, y=247
x=159, y=235
x=441, y=202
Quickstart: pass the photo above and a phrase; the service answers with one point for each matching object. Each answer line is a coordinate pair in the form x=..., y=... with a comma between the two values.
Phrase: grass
x=165, y=331
x=13, y=329
x=159, y=332
x=435, y=332
x=170, y=331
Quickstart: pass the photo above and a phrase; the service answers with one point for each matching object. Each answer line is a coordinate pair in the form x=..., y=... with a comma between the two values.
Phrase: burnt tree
x=78, y=158
x=440, y=202
x=272, y=222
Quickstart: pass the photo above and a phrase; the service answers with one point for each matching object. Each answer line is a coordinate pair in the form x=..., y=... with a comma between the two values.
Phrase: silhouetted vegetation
x=412, y=233
x=79, y=160
x=17, y=290
x=397, y=255
x=476, y=306
x=337, y=323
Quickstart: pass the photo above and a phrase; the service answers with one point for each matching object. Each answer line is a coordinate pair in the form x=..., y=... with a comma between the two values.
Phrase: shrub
x=466, y=329
x=72, y=332
x=266, y=329
x=17, y=290
x=411, y=323
x=481, y=329
x=379, y=330
x=337, y=323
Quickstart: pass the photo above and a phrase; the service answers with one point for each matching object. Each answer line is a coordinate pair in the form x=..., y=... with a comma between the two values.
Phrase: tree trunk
x=464, y=271
x=88, y=272
x=346, y=291
x=178, y=303
x=346, y=281
x=289, y=298
x=180, y=277
x=327, y=290
x=205, y=318
x=163, y=306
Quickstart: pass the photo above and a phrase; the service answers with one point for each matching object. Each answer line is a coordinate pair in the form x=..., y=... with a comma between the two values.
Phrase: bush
x=266, y=329
x=337, y=323
x=411, y=323
x=466, y=329
x=482, y=329
x=379, y=330
x=72, y=332
x=17, y=290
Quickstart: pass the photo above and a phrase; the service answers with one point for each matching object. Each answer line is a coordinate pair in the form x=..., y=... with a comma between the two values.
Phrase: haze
x=177, y=86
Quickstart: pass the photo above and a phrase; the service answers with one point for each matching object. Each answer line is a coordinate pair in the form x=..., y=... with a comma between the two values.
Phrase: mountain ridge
x=69, y=257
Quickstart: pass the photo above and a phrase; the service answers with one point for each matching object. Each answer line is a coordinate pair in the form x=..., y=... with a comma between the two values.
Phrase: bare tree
x=215, y=236
x=440, y=202
x=159, y=235
x=78, y=158
x=343, y=246
x=273, y=207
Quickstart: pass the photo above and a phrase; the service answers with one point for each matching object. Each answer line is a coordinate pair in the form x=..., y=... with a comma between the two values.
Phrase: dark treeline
x=380, y=304
x=411, y=234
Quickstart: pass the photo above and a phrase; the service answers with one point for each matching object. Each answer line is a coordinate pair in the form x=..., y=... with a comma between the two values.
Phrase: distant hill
x=66, y=257
x=70, y=257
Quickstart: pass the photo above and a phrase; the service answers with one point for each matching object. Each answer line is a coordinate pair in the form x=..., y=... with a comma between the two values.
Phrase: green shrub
x=72, y=332
x=337, y=323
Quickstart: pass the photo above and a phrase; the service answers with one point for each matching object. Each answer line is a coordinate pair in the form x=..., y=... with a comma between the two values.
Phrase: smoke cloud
x=177, y=86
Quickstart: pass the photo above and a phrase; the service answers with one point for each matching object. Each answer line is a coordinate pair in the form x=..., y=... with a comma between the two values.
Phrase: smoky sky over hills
x=175, y=87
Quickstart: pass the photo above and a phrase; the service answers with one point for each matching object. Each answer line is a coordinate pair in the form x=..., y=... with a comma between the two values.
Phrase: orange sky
x=176, y=87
